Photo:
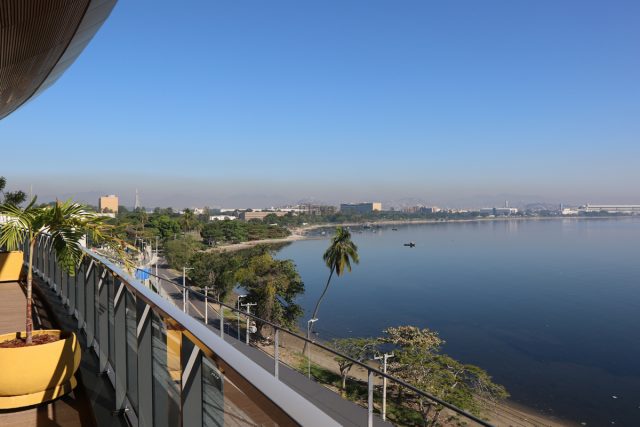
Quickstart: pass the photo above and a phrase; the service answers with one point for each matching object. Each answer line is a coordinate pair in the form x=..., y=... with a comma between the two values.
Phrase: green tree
x=215, y=270
x=274, y=285
x=167, y=227
x=419, y=362
x=188, y=220
x=338, y=257
x=179, y=252
x=212, y=233
x=66, y=224
x=359, y=349
x=11, y=197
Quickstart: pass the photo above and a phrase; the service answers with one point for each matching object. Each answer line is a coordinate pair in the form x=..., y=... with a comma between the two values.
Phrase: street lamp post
x=238, y=313
x=309, y=323
x=384, y=358
x=185, y=291
x=206, y=305
x=248, y=305
x=157, y=259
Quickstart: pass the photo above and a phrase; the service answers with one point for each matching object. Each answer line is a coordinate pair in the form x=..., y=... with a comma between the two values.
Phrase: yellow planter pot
x=39, y=373
x=10, y=266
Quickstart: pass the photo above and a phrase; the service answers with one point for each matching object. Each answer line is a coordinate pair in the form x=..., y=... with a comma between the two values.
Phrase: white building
x=569, y=211
x=222, y=218
x=611, y=208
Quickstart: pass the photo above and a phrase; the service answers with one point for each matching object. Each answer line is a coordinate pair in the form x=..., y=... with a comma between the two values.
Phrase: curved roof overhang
x=39, y=40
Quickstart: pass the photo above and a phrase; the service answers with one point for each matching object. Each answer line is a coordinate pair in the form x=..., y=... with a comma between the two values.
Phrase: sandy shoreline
x=301, y=233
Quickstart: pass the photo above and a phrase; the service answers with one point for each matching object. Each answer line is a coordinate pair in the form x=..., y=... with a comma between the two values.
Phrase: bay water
x=550, y=308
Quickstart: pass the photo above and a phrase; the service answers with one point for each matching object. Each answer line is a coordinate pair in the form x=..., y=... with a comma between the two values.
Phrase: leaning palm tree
x=66, y=224
x=338, y=257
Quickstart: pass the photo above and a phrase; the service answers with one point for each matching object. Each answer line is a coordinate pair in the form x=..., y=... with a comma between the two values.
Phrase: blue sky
x=252, y=102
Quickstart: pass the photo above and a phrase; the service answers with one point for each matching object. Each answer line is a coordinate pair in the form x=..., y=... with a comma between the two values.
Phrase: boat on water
x=394, y=229
x=410, y=244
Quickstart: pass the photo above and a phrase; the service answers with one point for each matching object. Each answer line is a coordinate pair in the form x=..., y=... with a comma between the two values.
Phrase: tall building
x=361, y=208
x=136, y=205
x=108, y=204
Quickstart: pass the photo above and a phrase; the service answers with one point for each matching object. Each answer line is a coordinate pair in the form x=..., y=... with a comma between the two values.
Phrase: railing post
x=276, y=353
x=370, y=399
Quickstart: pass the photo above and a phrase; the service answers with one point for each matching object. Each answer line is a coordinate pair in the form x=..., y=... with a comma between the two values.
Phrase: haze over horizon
x=252, y=104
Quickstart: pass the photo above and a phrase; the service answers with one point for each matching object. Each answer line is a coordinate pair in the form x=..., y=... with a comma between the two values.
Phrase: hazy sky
x=262, y=102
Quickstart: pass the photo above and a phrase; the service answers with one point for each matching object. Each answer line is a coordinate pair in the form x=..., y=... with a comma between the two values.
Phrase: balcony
x=165, y=367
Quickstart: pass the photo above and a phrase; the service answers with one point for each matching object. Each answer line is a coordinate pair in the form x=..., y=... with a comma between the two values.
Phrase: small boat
x=394, y=229
x=410, y=244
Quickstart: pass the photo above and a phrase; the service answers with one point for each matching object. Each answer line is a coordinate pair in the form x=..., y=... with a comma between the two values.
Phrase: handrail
x=293, y=406
x=368, y=368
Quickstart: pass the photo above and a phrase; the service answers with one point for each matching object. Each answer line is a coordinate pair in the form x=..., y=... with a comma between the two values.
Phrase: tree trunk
x=435, y=419
x=29, y=319
x=315, y=311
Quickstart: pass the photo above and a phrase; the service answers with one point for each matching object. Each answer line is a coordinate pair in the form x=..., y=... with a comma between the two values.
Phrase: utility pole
x=309, y=323
x=157, y=259
x=384, y=358
x=206, y=305
x=248, y=305
x=185, y=291
x=237, y=313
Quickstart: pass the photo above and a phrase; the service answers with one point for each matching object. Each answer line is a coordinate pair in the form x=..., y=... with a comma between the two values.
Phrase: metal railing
x=167, y=368
x=404, y=409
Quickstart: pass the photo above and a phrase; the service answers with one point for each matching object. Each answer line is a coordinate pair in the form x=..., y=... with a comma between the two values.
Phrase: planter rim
x=62, y=334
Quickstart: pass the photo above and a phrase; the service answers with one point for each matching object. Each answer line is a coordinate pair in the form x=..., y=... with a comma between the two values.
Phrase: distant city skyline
x=250, y=195
x=258, y=103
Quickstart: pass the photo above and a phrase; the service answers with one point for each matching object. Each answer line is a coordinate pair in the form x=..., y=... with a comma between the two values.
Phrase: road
x=342, y=410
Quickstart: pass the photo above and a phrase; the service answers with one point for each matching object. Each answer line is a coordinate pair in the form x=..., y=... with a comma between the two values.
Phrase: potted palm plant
x=43, y=362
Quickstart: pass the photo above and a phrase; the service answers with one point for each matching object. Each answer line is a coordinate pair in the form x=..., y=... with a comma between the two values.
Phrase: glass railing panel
x=166, y=372
x=132, y=349
x=213, y=412
x=90, y=298
x=109, y=283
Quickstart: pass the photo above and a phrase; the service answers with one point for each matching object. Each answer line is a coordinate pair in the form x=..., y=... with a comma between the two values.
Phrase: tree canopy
x=418, y=361
x=179, y=252
x=11, y=197
x=216, y=270
x=274, y=285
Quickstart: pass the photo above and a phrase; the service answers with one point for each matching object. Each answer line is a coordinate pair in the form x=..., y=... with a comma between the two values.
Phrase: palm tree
x=188, y=220
x=338, y=257
x=66, y=224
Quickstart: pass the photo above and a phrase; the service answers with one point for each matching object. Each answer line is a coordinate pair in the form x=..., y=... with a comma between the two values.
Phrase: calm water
x=550, y=308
